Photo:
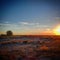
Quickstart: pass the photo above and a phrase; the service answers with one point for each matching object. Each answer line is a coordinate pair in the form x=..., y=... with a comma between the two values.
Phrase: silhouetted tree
x=9, y=33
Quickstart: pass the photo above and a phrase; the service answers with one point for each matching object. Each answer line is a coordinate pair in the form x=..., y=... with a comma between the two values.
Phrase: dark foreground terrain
x=40, y=47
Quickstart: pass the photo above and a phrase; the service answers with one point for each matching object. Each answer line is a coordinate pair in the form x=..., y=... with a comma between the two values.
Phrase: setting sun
x=57, y=30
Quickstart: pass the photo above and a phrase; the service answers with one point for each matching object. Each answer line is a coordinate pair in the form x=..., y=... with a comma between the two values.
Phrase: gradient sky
x=29, y=16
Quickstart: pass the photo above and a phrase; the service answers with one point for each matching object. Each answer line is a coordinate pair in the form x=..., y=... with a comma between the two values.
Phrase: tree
x=9, y=33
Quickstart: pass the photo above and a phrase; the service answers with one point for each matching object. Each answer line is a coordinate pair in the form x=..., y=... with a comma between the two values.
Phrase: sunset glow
x=57, y=30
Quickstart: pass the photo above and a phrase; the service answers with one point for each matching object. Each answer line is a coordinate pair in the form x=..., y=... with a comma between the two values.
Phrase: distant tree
x=9, y=33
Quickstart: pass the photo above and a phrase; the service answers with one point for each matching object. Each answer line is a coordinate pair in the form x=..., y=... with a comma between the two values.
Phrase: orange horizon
x=44, y=33
x=48, y=32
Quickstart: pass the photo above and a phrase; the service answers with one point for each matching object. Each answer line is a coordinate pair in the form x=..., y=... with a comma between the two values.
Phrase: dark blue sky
x=29, y=15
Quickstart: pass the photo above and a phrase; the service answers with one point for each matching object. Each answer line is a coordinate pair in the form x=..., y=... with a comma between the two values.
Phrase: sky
x=24, y=17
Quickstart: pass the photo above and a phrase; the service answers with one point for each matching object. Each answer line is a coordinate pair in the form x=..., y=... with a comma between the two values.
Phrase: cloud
x=9, y=25
x=33, y=25
x=28, y=23
x=24, y=23
x=6, y=22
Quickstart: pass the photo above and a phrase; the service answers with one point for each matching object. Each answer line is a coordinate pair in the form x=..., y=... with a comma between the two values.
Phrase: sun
x=57, y=30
